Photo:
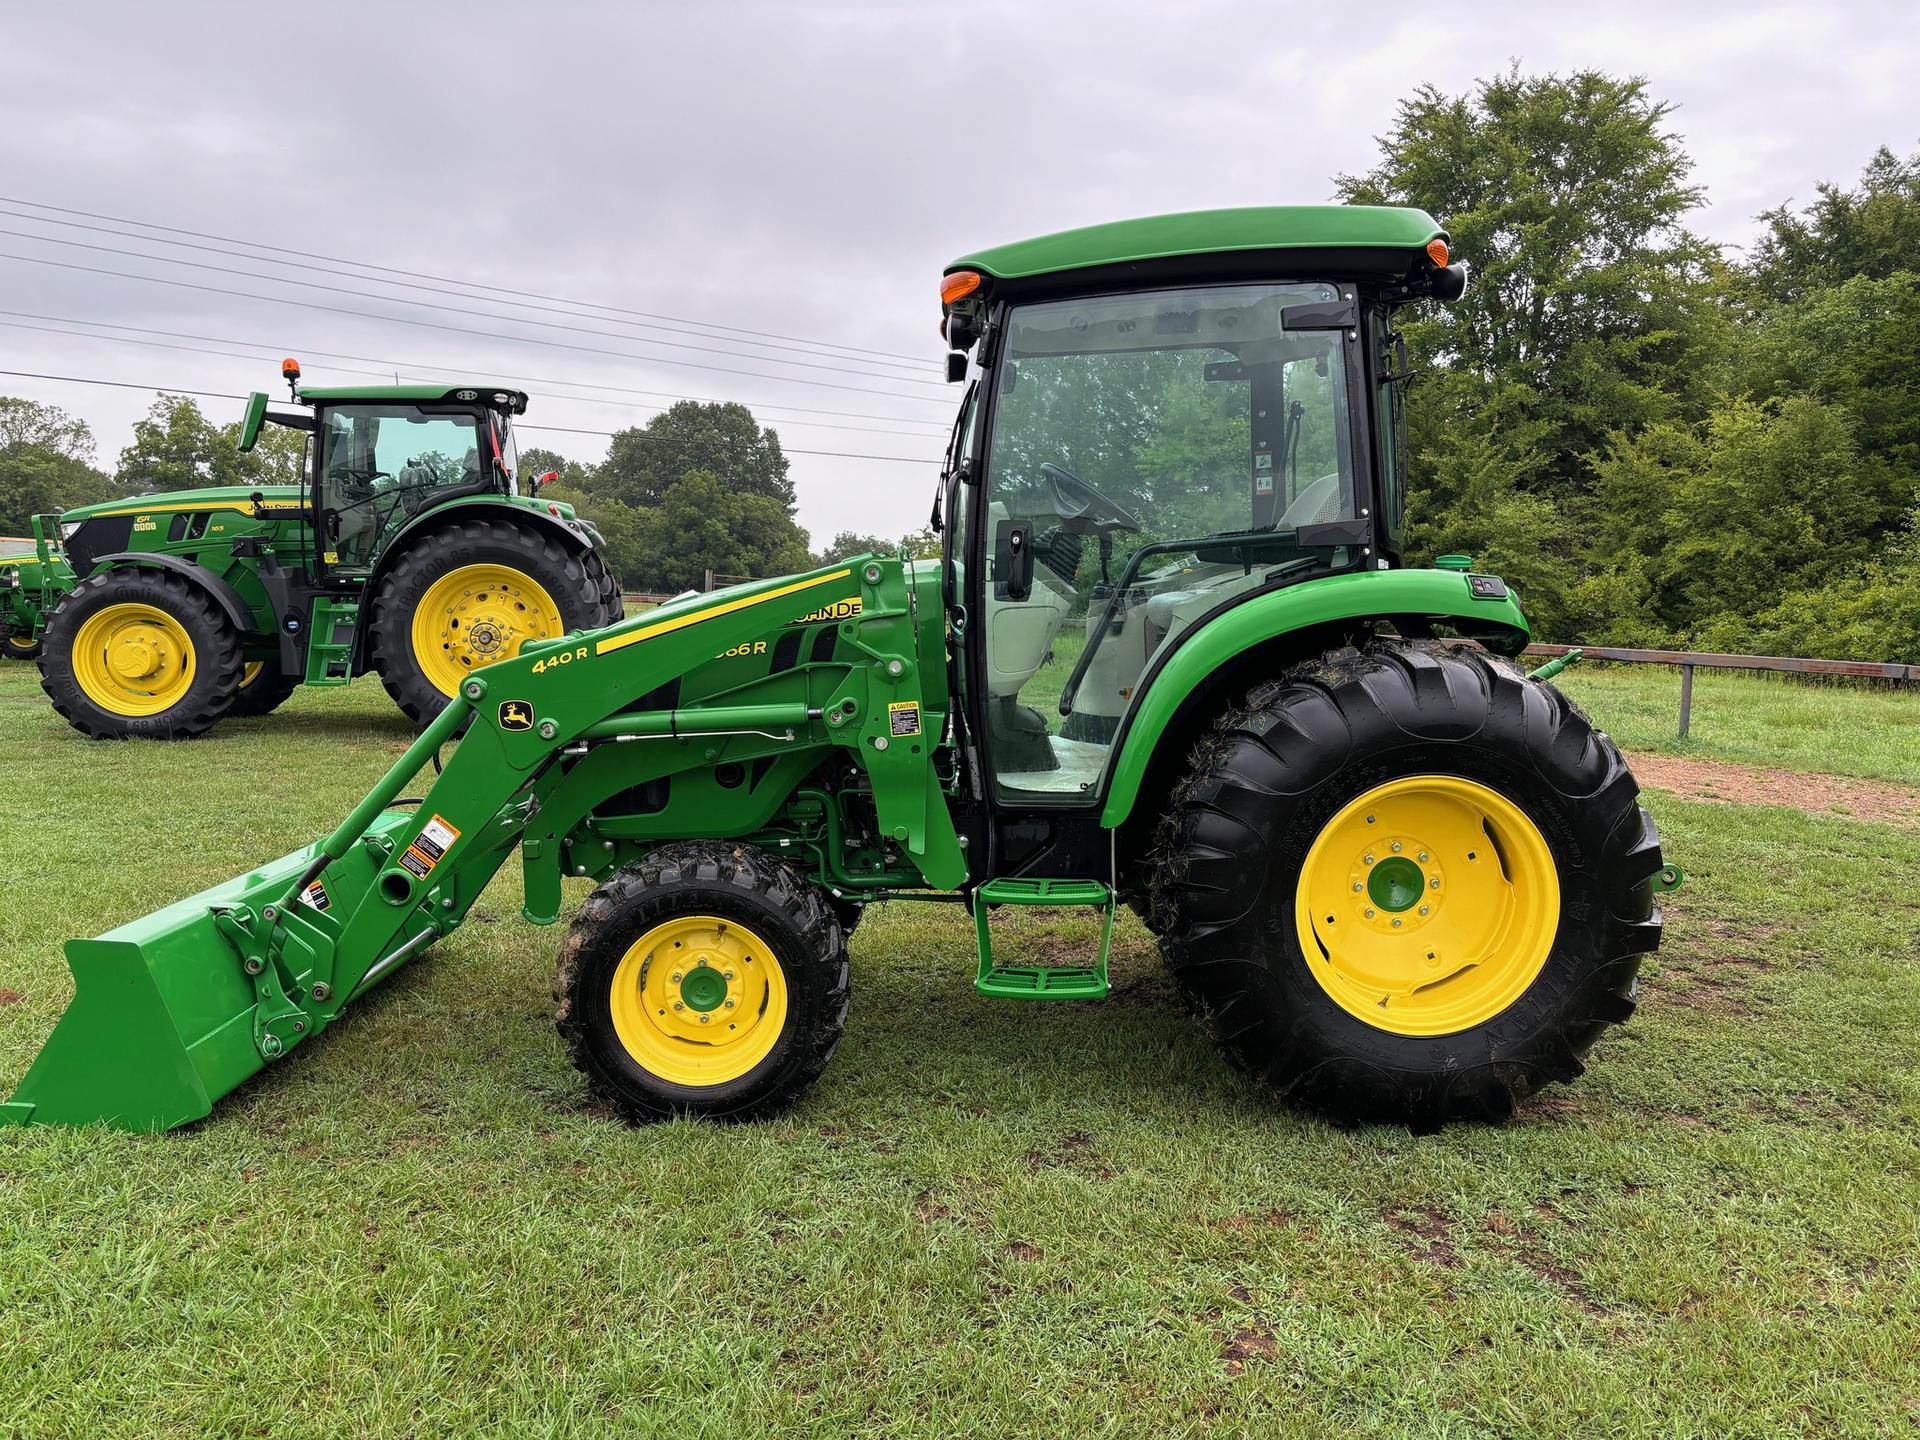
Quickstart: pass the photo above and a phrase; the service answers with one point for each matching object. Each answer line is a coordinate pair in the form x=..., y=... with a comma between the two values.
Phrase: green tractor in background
x=1170, y=657
x=34, y=575
x=411, y=552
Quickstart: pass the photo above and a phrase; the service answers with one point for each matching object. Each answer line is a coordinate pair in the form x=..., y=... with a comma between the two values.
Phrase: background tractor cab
x=410, y=545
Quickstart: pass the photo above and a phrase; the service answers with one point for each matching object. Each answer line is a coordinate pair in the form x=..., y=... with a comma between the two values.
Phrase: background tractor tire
x=632, y=989
x=472, y=593
x=140, y=653
x=19, y=647
x=1341, y=810
x=264, y=688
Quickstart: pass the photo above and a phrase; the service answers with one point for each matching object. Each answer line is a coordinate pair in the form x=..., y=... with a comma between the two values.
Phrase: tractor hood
x=211, y=497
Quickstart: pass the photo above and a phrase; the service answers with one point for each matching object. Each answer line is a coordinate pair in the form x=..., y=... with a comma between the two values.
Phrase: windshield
x=377, y=465
x=1153, y=455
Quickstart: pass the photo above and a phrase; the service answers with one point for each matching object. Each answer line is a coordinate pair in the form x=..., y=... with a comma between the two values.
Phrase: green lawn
x=989, y=1219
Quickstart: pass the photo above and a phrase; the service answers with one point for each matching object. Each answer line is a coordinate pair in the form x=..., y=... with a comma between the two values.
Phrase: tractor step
x=1042, y=982
x=330, y=641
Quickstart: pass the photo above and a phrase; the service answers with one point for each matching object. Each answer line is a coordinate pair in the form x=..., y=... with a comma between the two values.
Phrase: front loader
x=1169, y=657
x=34, y=575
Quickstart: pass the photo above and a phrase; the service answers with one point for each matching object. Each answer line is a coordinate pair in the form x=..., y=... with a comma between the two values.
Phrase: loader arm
x=174, y=1010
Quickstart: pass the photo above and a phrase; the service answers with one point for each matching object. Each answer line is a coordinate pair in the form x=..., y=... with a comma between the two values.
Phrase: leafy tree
x=177, y=448
x=1872, y=230
x=46, y=464
x=723, y=440
x=846, y=543
x=573, y=474
x=1588, y=305
x=694, y=527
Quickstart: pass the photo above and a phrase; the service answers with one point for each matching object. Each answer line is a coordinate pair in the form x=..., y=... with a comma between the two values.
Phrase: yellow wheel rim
x=699, y=1000
x=477, y=614
x=133, y=659
x=1428, y=905
x=251, y=672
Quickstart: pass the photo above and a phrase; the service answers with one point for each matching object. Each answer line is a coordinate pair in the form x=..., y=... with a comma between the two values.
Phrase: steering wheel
x=1083, y=509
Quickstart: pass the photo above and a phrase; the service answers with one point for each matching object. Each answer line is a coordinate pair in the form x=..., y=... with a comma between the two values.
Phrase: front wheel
x=472, y=593
x=140, y=653
x=264, y=688
x=704, y=979
x=1408, y=886
x=20, y=647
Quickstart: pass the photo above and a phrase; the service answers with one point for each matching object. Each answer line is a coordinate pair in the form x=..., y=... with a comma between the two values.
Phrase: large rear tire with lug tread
x=140, y=653
x=471, y=593
x=264, y=688
x=1407, y=885
x=703, y=979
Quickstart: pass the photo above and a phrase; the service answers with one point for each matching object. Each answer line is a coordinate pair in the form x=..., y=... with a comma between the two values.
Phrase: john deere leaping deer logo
x=516, y=715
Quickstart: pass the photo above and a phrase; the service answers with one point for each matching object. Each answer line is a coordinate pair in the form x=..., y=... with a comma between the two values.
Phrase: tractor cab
x=381, y=457
x=1151, y=441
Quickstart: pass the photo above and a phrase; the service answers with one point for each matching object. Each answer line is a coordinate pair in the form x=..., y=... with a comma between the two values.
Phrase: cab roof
x=513, y=401
x=1194, y=233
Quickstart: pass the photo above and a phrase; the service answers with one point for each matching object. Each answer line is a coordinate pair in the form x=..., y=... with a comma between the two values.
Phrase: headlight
x=68, y=528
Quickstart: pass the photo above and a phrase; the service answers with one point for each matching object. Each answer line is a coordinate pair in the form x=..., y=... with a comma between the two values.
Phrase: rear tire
x=552, y=590
x=140, y=653
x=694, y=937
x=264, y=692
x=1501, y=795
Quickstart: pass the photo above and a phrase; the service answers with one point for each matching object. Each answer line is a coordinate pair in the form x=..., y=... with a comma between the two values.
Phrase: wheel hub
x=705, y=988
x=138, y=653
x=1427, y=905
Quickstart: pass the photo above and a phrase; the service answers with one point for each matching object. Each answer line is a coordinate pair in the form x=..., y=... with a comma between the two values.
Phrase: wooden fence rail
x=1690, y=660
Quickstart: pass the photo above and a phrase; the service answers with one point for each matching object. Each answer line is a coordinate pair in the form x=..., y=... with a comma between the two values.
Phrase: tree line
x=1657, y=440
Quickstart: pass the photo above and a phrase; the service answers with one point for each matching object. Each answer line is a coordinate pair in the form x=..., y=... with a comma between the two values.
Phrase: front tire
x=19, y=647
x=1408, y=885
x=140, y=653
x=706, y=980
x=472, y=593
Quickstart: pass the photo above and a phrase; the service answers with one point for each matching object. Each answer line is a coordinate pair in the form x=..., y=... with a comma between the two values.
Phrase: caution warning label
x=903, y=718
x=436, y=837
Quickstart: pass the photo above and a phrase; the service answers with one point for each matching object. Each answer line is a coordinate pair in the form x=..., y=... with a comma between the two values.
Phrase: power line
x=558, y=429
x=389, y=365
x=703, y=333
x=426, y=275
x=460, y=329
x=391, y=369
x=454, y=309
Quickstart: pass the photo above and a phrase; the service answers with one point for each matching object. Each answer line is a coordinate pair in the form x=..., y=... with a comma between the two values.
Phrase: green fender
x=1445, y=595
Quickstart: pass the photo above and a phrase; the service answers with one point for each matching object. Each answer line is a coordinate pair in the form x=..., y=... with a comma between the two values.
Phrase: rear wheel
x=264, y=688
x=704, y=980
x=473, y=593
x=140, y=653
x=1408, y=886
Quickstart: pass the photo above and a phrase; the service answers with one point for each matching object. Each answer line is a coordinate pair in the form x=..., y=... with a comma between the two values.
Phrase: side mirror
x=1013, y=561
x=1450, y=282
x=956, y=367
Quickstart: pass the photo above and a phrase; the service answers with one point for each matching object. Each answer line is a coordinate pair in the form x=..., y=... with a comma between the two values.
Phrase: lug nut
x=679, y=1005
x=1434, y=882
x=726, y=974
x=1368, y=858
x=1423, y=857
x=677, y=977
x=1396, y=847
x=1396, y=924
x=706, y=1019
x=1369, y=914
x=729, y=1004
x=1423, y=909
x=1358, y=886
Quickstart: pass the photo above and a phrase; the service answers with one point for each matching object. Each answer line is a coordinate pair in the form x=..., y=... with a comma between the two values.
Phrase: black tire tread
x=713, y=863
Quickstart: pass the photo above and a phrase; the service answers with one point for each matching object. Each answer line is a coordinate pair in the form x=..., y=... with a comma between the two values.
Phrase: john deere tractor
x=408, y=548
x=1170, y=657
x=33, y=577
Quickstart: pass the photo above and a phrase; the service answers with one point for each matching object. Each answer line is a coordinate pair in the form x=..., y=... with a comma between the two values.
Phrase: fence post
x=1686, y=699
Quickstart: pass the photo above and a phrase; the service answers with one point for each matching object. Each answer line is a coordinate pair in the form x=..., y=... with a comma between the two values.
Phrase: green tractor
x=1170, y=657
x=33, y=578
x=411, y=552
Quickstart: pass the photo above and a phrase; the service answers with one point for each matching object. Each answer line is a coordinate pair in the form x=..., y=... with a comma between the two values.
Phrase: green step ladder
x=330, y=641
x=1042, y=982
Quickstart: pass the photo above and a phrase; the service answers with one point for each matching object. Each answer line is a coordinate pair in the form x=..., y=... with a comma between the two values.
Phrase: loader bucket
x=161, y=1023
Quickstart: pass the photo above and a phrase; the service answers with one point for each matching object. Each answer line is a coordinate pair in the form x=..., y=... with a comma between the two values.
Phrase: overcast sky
x=802, y=170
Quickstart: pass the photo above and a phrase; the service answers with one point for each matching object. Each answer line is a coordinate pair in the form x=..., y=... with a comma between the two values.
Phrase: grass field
x=989, y=1219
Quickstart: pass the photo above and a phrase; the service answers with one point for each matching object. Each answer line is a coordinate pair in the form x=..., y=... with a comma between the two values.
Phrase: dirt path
x=1877, y=800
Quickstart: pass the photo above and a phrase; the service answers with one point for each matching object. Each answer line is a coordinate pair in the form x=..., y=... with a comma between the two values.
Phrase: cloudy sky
x=759, y=198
